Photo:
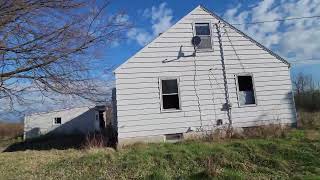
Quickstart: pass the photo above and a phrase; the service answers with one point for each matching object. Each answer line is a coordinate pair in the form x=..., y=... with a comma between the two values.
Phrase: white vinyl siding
x=138, y=93
x=74, y=120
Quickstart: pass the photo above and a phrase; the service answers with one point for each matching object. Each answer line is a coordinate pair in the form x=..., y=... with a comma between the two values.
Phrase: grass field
x=294, y=156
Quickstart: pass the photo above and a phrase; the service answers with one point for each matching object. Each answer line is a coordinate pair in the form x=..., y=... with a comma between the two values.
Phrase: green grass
x=296, y=156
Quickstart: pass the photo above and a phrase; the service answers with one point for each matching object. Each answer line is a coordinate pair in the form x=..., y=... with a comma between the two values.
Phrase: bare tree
x=48, y=45
x=303, y=83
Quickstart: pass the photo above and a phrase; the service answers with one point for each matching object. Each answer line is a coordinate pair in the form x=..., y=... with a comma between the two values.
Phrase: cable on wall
x=213, y=96
x=227, y=105
x=194, y=83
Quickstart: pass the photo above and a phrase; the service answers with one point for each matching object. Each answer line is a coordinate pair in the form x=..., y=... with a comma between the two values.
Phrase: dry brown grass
x=309, y=120
x=266, y=131
x=262, y=131
x=10, y=130
x=95, y=140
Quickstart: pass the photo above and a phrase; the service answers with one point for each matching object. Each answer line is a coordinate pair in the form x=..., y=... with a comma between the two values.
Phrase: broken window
x=203, y=31
x=57, y=120
x=246, y=94
x=170, y=94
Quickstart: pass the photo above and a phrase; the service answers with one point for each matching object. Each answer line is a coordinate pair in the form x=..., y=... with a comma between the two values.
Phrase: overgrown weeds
x=262, y=131
x=10, y=130
x=309, y=120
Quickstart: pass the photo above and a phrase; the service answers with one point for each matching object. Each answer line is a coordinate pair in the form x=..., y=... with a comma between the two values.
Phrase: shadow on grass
x=106, y=138
x=48, y=142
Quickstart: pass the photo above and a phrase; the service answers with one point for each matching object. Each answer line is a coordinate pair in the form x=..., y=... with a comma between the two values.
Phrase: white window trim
x=161, y=99
x=254, y=90
x=54, y=121
x=211, y=33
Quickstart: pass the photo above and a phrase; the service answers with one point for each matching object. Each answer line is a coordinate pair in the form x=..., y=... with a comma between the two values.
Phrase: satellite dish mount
x=196, y=40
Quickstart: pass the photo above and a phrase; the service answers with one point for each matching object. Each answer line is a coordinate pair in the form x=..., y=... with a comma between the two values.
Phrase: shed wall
x=76, y=120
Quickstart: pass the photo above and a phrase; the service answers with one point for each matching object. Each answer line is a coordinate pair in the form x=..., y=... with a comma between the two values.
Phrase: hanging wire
x=233, y=48
x=280, y=20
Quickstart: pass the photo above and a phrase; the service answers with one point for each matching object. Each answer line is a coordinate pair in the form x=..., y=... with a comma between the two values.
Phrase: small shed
x=80, y=120
x=201, y=74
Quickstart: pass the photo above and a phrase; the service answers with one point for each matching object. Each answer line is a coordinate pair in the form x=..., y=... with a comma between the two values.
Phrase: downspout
x=227, y=105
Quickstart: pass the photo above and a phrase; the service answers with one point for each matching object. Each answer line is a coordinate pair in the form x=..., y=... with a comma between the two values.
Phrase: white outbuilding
x=79, y=120
x=200, y=74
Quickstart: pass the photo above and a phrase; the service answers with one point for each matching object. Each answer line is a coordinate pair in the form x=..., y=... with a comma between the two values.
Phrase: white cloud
x=161, y=19
x=298, y=39
x=139, y=35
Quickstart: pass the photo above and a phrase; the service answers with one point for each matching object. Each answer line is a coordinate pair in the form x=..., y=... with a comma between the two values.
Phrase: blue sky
x=296, y=41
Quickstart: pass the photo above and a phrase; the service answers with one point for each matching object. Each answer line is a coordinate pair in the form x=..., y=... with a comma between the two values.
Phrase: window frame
x=210, y=30
x=54, y=120
x=161, y=94
x=253, y=87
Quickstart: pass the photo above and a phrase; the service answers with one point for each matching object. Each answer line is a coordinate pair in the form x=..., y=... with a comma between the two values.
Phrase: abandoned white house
x=199, y=74
x=80, y=120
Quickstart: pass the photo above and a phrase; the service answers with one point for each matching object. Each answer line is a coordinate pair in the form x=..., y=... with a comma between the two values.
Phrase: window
x=203, y=31
x=57, y=120
x=170, y=94
x=246, y=94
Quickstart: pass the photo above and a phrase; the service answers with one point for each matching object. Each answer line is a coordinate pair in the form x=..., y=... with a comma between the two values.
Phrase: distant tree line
x=306, y=92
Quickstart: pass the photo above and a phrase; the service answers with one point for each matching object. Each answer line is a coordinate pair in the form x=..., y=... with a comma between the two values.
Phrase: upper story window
x=170, y=94
x=246, y=93
x=57, y=121
x=203, y=31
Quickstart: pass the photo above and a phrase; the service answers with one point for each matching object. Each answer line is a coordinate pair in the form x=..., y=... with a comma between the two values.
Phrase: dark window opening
x=169, y=86
x=102, y=123
x=203, y=31
x=57, y=120
x=170, y=94
x=246, y=90
x=171, y=102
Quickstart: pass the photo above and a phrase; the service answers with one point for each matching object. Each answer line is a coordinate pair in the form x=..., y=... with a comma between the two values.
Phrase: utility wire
x=280, y=20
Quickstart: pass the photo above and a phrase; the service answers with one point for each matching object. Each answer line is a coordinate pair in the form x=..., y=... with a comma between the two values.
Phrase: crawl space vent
x=174, y=137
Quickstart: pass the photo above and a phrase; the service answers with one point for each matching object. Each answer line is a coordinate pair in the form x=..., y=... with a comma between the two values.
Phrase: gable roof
x=222, y=20
x=245, y=35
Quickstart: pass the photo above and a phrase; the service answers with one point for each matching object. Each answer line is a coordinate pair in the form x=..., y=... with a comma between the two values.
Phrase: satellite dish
x=196, y=41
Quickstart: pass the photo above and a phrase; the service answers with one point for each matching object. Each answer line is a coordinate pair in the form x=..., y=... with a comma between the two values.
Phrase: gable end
x=245, y=35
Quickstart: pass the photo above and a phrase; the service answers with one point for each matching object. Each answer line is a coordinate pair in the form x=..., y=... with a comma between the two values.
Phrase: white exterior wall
x=75, y=120
x=138, y=91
